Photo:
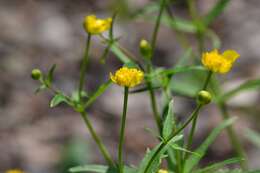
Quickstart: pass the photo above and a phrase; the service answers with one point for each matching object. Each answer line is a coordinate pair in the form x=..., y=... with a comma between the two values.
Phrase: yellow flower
x=162, y=171
x=93, y=25
x=219, y=63
x=14, y=171
x=127, y=77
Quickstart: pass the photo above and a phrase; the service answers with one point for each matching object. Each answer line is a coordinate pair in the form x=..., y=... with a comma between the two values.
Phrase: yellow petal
x=230, y=55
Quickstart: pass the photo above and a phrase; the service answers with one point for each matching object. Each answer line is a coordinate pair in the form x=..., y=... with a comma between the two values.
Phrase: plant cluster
x=140, y=75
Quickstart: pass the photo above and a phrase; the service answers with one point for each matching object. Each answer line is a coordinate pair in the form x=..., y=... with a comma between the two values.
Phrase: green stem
x=207, y=80
x=233, y=137
x=94, y=135
x=122, y=132
x=157, y=25
x=194, y=122
x=192, y=116
x=156, y=114
x=84, y=67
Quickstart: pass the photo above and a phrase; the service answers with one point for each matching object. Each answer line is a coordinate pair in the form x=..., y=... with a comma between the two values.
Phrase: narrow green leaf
x=57, y=99
x=99, y=169
x=49, y=79
x=253, y=136
x=248, y=85
x=119, y=54
x=215, y=11
x=193, y=160
x=102, y=88
x=168, y=124
x=184, y=59
x=177, y=147
x=179, y=24
x=218, y=165
x=182, y=69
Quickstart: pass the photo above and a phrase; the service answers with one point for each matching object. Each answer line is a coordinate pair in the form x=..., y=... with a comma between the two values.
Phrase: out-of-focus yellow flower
x=219, y=63
x=14, y=171
x=127, y=77
x=163, y=171
x=93, y=25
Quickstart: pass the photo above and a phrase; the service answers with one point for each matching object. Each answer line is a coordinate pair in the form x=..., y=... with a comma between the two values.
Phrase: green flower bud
x=204, y=97
x=36, y=74
x=145, y=48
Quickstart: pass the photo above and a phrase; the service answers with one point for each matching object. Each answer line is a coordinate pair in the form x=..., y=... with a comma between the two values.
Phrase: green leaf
x=216, y=166
x=99, y=169
x=120, y=54
x=184, y=59
x=49, y=78
x=57, y=99
x=40, y=88
x=179, y=24
x=248, y=85
x=188, y=83
x=182, y=69
x=168, y=124
x=177, y=147
x=253, y=136
x=215, y=11
x=193, y=160
x=151, y=161
x=102, y=88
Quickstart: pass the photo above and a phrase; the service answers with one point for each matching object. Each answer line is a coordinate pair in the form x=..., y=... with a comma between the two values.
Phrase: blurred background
x=39, y=33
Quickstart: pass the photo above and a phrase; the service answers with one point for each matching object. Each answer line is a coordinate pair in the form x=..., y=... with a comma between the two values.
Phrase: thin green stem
x=206, y=83
x=194, y=122
x=192, y=116
x=156, y=114
x=84, y=67
x=233, y=137
x=94, y=135
x=122, y=132
x=157, y=25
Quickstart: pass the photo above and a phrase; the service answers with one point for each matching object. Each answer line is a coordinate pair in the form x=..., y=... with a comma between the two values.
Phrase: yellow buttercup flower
x=219, y=63
x=163, y=171
x=93, y=25
x=127, y=77
x=14, y=171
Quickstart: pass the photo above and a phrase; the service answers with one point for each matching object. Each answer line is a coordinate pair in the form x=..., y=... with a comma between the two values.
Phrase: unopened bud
x=36, y=74
x=204, y=97
x=145, y=48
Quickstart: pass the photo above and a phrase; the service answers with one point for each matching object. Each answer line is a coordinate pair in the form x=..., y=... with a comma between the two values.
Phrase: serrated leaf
x=168, y=124
x=193, y=160
x=151, y=161
x=57, y=99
